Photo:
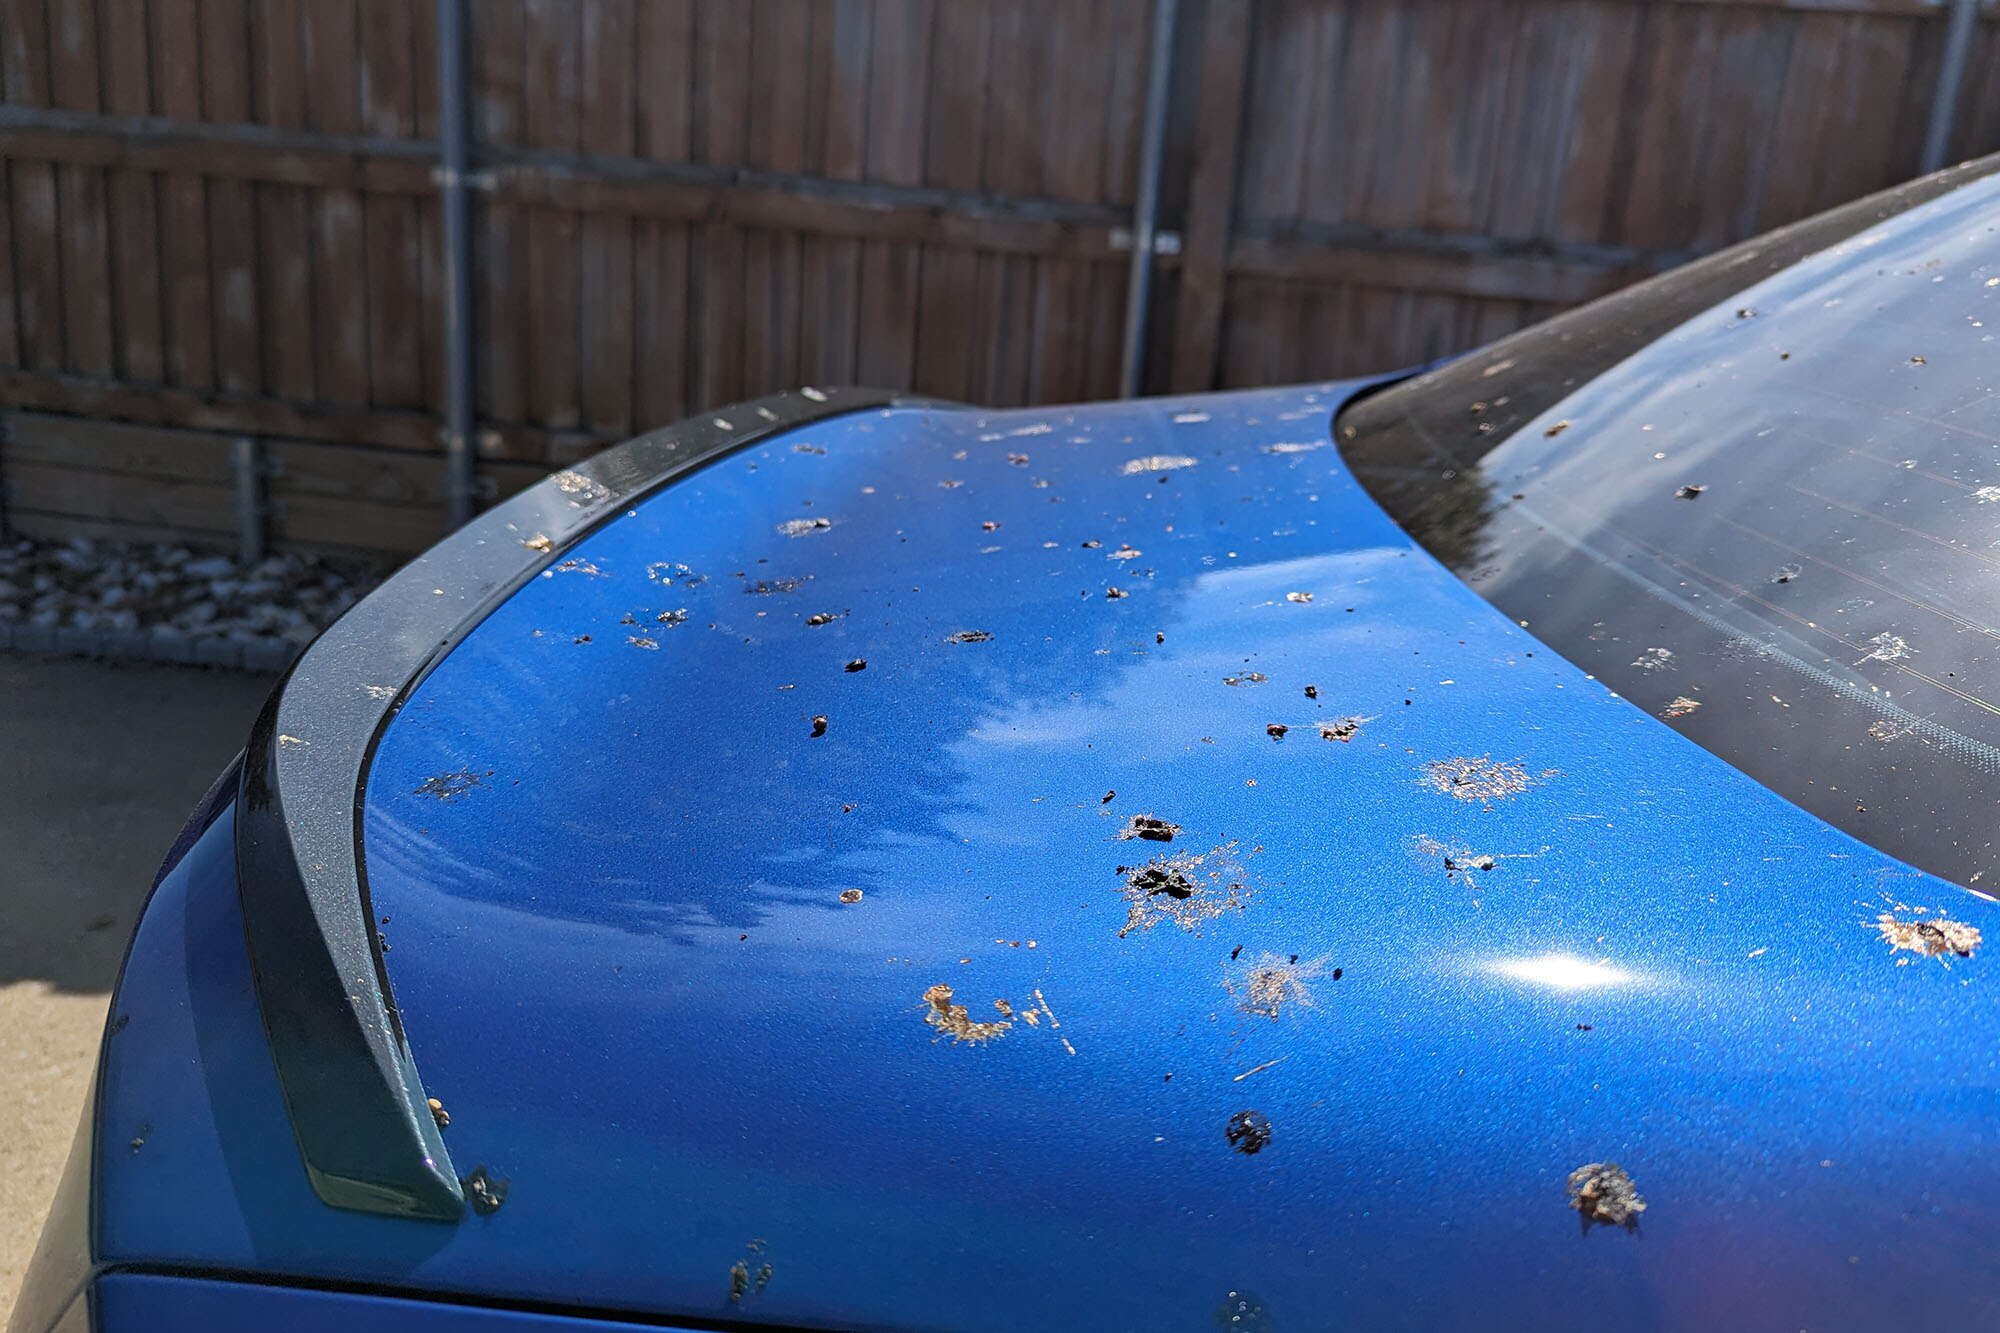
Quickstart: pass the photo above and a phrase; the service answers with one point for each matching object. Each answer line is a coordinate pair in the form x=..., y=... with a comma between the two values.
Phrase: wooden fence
x=221, y=217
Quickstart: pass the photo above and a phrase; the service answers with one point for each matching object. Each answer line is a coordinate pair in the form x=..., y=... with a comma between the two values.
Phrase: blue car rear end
x=843, y=863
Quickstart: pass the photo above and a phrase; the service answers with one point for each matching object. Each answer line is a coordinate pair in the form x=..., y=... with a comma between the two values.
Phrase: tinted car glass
x=1760, y=497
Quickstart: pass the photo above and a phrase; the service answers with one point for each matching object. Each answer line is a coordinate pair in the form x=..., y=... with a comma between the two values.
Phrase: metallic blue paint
x=159, y=1304
x=625, y=969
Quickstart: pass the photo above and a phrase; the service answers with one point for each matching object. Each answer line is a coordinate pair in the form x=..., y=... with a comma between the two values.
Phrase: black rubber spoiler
x=356, y=1102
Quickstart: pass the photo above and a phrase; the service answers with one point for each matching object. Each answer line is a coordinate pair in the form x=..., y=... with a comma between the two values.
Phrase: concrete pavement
x=99, y=765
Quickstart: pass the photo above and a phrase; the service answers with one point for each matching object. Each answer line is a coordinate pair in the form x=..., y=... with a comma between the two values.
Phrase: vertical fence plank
x=1225, y=48
x=843, y=61
x=84, y=236
x=780, y=51
x=1349, y=115
x=664, y=91
x=885, y=347
x=836, y=146
x=660, y=323
x=898, y=89
x=663, y=46
x=1061, y=327
x=429, y=217
x=891, y=274
x=1976, y=129
x=1533, y=118
x=829, y=303
x=134, y=209
x=232, y=220
x=955, y=145
x=386, y=105
x=609, y=123
x=1128, y=25
x=338, y=248
x=10, y=308
x=720, y=133
x=555, y=336
x=32, y=193
x=775, y=140
x=1613, y=44
x=1278, y=104
x=1008, y=349
x=1073, y=145
x=1017, y=110
x=946, y=331
x=188, y=319
x=283, y=249
x=503, y=351
x=954, y=152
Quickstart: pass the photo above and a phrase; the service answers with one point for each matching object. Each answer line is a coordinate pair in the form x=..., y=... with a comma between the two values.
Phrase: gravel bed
x=170, y=603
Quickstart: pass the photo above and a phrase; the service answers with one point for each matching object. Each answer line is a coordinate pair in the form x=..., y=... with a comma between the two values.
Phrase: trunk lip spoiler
x=352, y=1092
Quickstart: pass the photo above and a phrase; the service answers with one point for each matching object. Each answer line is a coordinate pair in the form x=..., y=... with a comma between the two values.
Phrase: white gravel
x=90, y=585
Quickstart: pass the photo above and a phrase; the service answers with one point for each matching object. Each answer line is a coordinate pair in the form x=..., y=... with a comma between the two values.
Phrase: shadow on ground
x=99, y=765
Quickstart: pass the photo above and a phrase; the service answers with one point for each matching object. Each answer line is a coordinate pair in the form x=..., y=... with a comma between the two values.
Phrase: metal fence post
x=246, y=467
x=1145, y=210
x=1959, y=25
x=461, y=481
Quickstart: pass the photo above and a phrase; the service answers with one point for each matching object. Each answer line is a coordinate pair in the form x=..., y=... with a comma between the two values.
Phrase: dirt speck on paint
x=750, y=1274
x=819, y=725
x=803, y=527
x=822, y=617
x=1156, y=463
x=857, y=664
x=1343, y=729
x=673, y=571
x=850, y=896
x=968, y=636
x=539, y=542
x=1276, y=730
x=1299, y=598
x=1477, y=778
x=1603, y=1195
x=1247, y=678
x=1241, y=1311
x=438, y=1113
x=1689, y=492
x=581, y=489
x=447, y=786
x=1185, y=888
x=956, y=1021
x=1150, y=827
x=1273, y=982
x=484, y=1191
x=1248, y=1132
x=1459, y=860
x=1936, y=937
x=1680, y=706
x=641, y=641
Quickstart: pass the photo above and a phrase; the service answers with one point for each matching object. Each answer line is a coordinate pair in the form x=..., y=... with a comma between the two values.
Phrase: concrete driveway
x=99, y=765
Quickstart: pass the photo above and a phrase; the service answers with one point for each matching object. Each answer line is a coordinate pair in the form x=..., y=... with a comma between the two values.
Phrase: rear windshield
x=1759, y=497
